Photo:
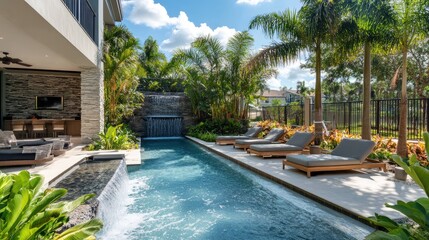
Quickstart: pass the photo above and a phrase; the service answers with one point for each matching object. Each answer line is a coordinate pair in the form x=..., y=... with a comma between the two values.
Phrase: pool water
x=182, y=191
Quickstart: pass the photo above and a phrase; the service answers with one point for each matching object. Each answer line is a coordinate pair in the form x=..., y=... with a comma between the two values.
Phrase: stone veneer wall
x=92, y=121
x=22, y=87
x=182, y=107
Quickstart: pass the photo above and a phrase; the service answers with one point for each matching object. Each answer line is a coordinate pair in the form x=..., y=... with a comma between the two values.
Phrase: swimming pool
x=185, y=192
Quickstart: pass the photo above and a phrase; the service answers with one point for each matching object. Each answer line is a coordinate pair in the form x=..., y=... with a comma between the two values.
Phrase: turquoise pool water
x=185, y=192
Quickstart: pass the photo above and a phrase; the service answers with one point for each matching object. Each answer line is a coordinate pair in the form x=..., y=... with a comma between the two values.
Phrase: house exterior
x=62, y=41
x=285, y=96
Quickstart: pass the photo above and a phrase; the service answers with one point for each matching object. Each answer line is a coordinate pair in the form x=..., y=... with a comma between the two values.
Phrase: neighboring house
x=62, y=41
x=285, y=96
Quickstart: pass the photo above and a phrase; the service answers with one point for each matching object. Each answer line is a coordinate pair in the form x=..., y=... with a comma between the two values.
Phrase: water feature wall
x=164, y=126
x=162, y=115
x=111, y=201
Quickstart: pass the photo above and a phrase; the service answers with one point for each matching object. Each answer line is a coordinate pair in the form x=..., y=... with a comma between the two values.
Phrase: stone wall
x=22, y=87
x=92, y=121
x=176, y=104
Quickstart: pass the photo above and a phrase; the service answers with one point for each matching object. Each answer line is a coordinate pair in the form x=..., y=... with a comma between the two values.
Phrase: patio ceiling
x=29, y=36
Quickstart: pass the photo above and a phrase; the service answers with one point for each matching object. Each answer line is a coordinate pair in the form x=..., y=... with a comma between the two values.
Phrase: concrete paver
x=359, y=193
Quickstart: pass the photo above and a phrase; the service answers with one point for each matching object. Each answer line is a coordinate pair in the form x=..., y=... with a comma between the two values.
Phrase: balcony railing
x=85, y=15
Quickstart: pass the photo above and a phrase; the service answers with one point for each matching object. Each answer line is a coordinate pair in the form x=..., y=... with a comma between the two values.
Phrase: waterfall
x=164, y=126
x=112, y=204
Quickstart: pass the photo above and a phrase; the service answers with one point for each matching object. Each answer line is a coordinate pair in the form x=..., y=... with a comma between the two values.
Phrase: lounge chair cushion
x=252, y=141
x=300, y=139
x=16, y=154
x=274, y=134
x=253, y=132
x=319, y=160
x=32, y=142
x=274, y=147
x=354, y=148
x=231, y=137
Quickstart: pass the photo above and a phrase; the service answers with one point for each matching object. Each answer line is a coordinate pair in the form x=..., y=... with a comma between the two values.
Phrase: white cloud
x=149, y=13
x=251, y=2
x=290, y=74
x=185, y=32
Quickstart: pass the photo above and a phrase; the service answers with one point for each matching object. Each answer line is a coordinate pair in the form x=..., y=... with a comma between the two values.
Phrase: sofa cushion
x=16, y=154
x=319, y=160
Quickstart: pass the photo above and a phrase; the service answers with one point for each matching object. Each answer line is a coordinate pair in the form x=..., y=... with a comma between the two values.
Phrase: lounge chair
x=271, y=137
x=229, y=140
x=296, y=144
x=26, y=155
x=349, y=154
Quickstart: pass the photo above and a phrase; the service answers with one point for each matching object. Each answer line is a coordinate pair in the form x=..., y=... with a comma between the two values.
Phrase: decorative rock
x=400, y=174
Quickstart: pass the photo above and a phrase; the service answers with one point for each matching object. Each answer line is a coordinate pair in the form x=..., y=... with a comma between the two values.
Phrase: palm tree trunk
x=318, y=98
x=402, y=149
x=366, y=122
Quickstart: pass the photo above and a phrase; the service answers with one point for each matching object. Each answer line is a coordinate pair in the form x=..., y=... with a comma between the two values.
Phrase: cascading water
x=112, y=204
x=164, y=126
x=164, y=119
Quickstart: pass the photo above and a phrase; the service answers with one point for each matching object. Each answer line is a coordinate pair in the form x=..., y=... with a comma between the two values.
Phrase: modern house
x=285, y=96
x=51, y=64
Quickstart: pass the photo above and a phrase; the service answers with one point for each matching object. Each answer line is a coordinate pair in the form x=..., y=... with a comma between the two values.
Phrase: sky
x=176, y=23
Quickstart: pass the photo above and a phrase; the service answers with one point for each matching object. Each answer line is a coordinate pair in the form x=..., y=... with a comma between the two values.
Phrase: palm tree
x=409, y=29
x=122, y=71
x=300, y=31
x=367, y=23
x=218, y=81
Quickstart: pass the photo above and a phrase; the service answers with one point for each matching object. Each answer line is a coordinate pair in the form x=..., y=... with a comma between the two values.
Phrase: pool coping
x=294, y=187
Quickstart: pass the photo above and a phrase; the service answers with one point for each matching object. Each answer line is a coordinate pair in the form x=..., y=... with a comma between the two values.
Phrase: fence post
x=278, y=112
x=285, y=114
x=307, y=110
x=350, y=116
x=377, y=116
x=427, y=114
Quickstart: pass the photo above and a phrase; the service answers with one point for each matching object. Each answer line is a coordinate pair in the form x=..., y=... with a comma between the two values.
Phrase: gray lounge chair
x=26, y=156
x=229, y=140
x=296, y=144
x=271, y=137
x=349, y=154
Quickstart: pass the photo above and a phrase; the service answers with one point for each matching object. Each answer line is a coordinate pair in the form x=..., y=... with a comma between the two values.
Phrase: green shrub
x=115, y=138
x=27, y=212
x=219, y=127
x=417, y=211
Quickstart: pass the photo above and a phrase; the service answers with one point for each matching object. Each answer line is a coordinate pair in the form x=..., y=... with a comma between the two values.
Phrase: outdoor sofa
x=349, y=154
x=273, y=136
x=229, y=140
x=295, y=144
x=27, y=155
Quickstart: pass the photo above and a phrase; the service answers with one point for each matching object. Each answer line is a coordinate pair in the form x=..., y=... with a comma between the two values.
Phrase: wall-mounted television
x=49, y=103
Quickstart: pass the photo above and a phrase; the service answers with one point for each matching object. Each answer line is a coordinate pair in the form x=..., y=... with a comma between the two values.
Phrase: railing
x=384, y=115
x=85, y=15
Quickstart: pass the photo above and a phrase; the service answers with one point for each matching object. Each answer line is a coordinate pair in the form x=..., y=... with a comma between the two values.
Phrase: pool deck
x=62, y=164
x=358, y=194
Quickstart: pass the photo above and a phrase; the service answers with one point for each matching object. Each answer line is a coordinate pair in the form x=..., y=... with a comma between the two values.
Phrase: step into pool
x=182, y=191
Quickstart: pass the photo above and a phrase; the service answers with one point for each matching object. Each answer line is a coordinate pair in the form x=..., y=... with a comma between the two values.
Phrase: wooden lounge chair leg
x=308, y=174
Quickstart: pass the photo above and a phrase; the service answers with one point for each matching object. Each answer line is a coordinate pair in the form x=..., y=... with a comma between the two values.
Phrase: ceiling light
x=1, y=38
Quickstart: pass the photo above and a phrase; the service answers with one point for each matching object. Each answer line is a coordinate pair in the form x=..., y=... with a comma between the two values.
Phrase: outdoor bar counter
x=71, y=126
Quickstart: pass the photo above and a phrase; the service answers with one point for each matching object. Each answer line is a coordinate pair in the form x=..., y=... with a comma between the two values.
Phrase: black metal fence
x=348, y=116
x=292, y=114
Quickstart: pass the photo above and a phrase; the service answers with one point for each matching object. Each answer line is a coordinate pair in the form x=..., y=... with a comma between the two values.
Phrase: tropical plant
x=417, y=211
x=27, y=212
x=409, y=28
x=305, y=30
x=115, y=138
x=122, y=72
x=218, y=83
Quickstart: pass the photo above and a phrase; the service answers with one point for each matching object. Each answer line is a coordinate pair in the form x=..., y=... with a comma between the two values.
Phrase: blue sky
x=176, y=23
